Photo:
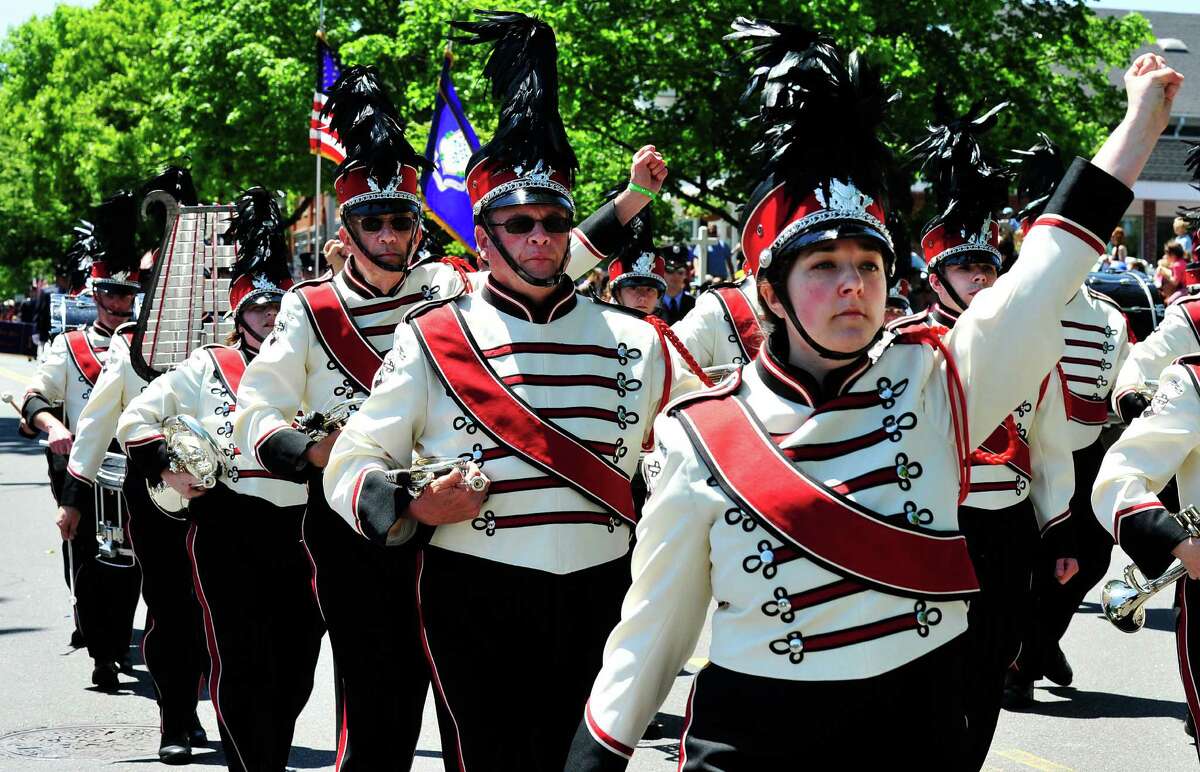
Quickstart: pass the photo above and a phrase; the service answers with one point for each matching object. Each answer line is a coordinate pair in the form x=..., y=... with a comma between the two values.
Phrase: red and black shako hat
x=529, y=159
x=968, y=187
x=115, y=261
x=826, y=168
x=381, y=170
x=1192, y=213
x=637, y=262
x=260, y=272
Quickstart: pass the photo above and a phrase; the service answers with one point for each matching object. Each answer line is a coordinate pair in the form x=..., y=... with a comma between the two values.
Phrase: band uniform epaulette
x=608, y=304
x=1104, y=298
x=723, y=388
x=907, y=321
x=323, y=278
x=127, y=329
x=429, y=305
x=1193, y=293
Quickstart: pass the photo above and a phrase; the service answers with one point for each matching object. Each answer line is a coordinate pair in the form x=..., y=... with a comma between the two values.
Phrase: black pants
x=745, y=723
x=514, y=652
x=1187, y=644
x=254, y=583
x=1003, y=544
x=173, y=644
x=366, y=597
x=1055, y=604
x=106, y=594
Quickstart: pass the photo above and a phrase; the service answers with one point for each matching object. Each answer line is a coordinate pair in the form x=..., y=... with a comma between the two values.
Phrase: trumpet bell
x=1124, y=606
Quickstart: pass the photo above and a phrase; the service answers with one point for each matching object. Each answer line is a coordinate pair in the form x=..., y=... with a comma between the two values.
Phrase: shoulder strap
x=229, y=364
x=83, y=355
x=339, y=336
x=746, y=326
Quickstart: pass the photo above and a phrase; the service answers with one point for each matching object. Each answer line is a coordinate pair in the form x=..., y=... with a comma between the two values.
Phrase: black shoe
x=655, y=731
x=196, y=734
x=1189, y=726
x=77, y=641
x=1018, y=693
x=104, y=676
x=175, y=749
x=1057, y=669
x=126, y=665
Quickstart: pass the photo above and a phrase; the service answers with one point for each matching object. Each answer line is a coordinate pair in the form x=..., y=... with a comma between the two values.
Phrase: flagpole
x=317, y=221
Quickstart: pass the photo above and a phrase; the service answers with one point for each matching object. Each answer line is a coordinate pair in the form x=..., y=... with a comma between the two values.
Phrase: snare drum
x=112, y=513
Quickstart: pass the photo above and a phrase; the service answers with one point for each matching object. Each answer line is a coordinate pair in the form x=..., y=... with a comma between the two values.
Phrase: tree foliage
x=98, y=98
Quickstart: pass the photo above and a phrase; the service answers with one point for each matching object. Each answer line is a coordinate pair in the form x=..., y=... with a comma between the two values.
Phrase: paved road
x=1123, y=714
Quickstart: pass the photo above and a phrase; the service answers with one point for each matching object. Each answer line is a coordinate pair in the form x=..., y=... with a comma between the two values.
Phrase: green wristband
x=647, y=192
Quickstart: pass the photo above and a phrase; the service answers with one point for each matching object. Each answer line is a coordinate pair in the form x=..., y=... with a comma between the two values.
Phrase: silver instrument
x=330, y=418
x=719, y=373
x=112, y=523
x=190, y=449
x=184, y=307
x=426, y=470
x=1124, y=601
x=1147, y=389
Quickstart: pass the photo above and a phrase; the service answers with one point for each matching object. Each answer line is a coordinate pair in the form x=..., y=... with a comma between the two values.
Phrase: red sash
x=510, y=421
x=1083, y=410
x=230, y=364
x=833, y=530
x=84, y=355
x=1191, y=309
x=745, y=322
x=350, y=351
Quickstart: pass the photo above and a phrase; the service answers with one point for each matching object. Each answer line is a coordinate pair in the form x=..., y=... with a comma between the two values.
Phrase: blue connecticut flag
x=451, y=143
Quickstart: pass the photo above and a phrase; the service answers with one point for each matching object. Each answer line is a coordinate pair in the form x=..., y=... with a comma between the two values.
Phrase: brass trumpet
x=332, y=417
x=426, y=470
x=1124, y=601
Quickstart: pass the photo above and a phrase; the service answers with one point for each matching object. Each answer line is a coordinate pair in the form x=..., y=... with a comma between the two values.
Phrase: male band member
x=1177, y=335
x=173, y=642
x=105, y=589
x=1097, y=341
x=329, y=339
x=552, y=394
x=1161, y=443
x=814, y=495
x=251, y=572
x=1021, y=476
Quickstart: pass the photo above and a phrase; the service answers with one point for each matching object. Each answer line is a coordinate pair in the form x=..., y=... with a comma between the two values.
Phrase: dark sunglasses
x=523, y=223
x=373, y=223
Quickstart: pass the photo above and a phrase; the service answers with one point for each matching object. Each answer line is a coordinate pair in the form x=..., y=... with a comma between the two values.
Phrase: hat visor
x=118, y=286
x=532, y=195
x=640, y=281
x=832, y=231
x=380, y=206
x=971, y=257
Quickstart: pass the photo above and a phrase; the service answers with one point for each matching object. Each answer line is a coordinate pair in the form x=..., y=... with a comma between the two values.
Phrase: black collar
x=942, y=315
x=560, y=303
x=363, y=288
x=797, y=385
x=101, y=330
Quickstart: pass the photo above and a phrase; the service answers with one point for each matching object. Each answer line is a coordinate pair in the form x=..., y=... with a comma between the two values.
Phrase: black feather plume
x=174, y=180
x=968, y=186
x=257, y=228
x=77, y=263
x=523, y=70
x=1041, y=168
x=115, y=222
x=820, y=110
x=368, y=126
x=1192, y=213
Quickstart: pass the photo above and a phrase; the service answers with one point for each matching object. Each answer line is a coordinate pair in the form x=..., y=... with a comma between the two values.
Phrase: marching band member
x=552, y=394
x=250, y=570
x=106, y=591
x=1097, y=342
x=173, y=641
x=1177, y=335
x=813, y=497
x=723, y=327
x=329, y=339
x=1163, y=442
x=1021, y=476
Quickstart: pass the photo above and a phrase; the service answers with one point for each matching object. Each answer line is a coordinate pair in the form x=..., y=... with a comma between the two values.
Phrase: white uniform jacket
x=307, y=364
x=1161, y=443
x=1177, y=335
x=67, y=374
x=1042, y=468
x=723, y=328
x=205, y=387
x=1097, y=341
x=878, y=579
x=555, y=403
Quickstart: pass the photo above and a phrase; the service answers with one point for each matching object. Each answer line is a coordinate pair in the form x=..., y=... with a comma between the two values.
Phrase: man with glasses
x=330, y=337
x=548, y=394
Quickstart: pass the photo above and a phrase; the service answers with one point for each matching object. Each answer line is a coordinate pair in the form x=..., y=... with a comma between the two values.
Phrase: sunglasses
x=523, y=223
x=374, y=223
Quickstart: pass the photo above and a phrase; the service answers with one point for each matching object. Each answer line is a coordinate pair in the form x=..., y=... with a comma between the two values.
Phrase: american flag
x=321, y=140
